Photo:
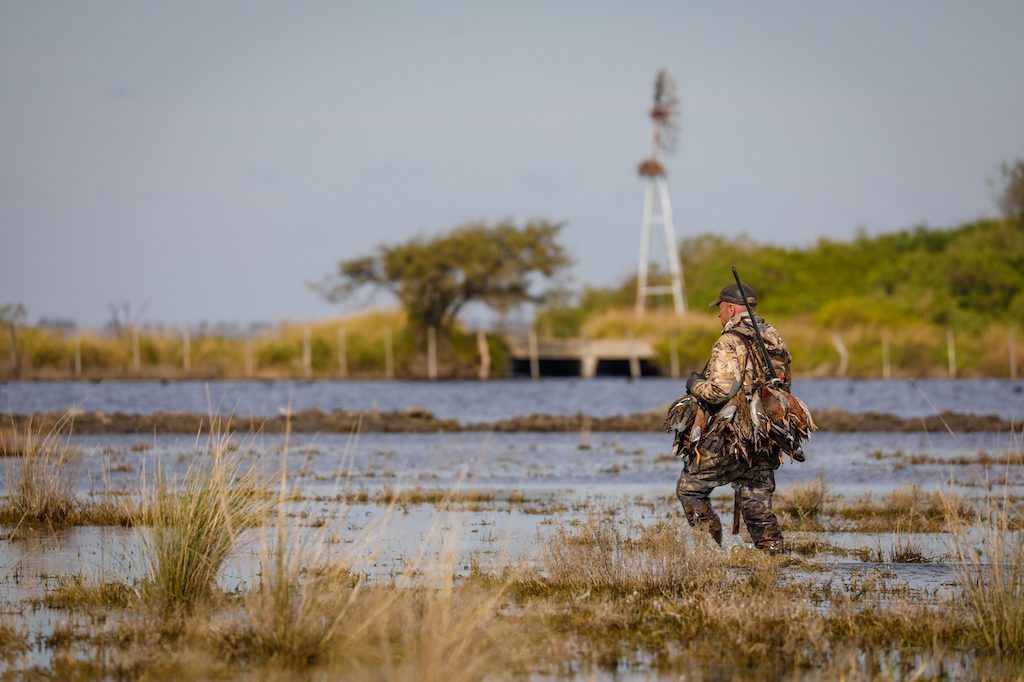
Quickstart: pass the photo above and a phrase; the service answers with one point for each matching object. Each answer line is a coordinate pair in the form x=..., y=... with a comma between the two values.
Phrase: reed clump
x=106, y=509
x=908, y=509
x=13, y=641
x=311, y=613
x=436, y=496
x=190, y=526
x=990, y=574
x=804, y=500
x=598, y=556
x=75, y=591
x=904, y=550
x=42, y=475
x=602, y=601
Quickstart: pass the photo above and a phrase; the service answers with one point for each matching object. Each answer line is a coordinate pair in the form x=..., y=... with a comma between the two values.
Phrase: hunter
x=734, y=367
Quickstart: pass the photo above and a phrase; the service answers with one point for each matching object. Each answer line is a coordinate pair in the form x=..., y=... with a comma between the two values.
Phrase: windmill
x=657, y=204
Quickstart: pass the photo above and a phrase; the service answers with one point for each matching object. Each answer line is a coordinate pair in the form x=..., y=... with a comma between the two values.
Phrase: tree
x=1011, y=199
x=12, y=314
x=434, y=278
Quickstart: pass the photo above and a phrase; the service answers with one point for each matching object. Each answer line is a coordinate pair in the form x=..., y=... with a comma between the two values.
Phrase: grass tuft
x=41, y=478
x=990, y=574
x=13, y=642
x=598, y=556
x=192, y=526
x=75, y=591
x=803, y=500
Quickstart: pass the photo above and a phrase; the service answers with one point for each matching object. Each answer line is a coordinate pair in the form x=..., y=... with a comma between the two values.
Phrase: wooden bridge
x=586, y=358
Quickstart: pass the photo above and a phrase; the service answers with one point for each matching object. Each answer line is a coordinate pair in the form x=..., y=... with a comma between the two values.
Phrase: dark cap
x=731, y=294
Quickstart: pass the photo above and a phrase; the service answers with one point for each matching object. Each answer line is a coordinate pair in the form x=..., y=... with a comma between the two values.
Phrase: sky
x=206, y=161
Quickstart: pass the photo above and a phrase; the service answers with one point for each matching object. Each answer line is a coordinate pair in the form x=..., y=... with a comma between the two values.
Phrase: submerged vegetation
x=76, y=591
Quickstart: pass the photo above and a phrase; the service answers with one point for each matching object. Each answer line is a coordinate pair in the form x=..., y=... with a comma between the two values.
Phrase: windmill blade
x=665, y=110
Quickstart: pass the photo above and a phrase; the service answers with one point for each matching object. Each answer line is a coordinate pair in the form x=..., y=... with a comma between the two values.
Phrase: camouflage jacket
x=735, y=358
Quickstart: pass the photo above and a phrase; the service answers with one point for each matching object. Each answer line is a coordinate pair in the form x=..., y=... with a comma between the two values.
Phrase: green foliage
x=966, y=277
x=12, y=313
x=434, y=278
x=1011, y=199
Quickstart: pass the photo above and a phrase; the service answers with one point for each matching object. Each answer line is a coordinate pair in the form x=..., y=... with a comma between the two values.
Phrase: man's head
x=730, y=302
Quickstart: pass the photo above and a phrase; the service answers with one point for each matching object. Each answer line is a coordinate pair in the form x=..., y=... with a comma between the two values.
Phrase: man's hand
x=693, y=378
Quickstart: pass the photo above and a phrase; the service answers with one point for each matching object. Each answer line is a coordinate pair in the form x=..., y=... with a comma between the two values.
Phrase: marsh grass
x=13, y=641
x=908, y=509
x=984, y=459
x=106, y=509
x=436, y=496
x=599, y=556
x=75, y=591
x=41, y=478
x=814, y=546
x=603, y=597
x=804, y=500
x=191, y=526
x=904, y=550
x=311, y=613
x=990, y=574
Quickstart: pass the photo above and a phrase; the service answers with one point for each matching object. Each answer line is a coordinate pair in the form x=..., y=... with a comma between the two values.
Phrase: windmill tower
x=657, y=204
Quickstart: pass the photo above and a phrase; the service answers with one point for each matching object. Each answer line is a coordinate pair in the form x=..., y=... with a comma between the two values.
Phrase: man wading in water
x=726, y=425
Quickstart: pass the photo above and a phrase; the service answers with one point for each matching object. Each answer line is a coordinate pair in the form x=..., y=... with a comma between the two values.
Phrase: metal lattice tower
x=657, y=203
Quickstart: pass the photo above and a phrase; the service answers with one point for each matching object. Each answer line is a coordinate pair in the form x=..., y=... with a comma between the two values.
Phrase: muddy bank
x=827, y=420
x=419, y=420
x=409, y=420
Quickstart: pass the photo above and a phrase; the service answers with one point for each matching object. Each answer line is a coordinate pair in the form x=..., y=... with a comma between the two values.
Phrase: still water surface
x=476, y=401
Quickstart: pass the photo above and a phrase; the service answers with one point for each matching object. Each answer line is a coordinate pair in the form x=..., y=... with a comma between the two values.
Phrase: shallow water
x=476, y=401
x=565, y=464
x=560, y=477
x=628, y=473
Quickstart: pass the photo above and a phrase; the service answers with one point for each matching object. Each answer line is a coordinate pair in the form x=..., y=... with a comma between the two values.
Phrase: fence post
x=342, y=354
x=673, y=355
x=485, y=354
x=844, y=355
x=186, y=351
x=634, y=361
x=250, y=365
x=951, y=352
x=1013, y=352
x=307, y=352
x=15, y=357
x=431, y=353
x=136, y=351
x=78, y=355
x=534, y=356
x=389, y=355
x=886, y=365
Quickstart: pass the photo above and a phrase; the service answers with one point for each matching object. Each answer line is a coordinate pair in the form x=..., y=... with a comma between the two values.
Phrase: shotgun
x=766, y=359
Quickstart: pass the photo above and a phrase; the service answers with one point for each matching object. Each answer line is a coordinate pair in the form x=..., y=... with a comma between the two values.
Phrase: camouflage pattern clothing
x=733, y=357
x=732, y=360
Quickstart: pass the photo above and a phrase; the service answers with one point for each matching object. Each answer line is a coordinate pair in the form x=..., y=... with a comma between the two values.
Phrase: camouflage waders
x=754, y=485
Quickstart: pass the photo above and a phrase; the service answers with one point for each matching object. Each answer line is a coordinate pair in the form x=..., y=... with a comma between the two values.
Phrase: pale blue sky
x=210, y=158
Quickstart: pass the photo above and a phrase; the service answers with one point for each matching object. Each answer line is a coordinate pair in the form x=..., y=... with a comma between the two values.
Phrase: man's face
x=726, y=312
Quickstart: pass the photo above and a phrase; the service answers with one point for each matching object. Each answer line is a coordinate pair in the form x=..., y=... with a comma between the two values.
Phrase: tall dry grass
x=42, y=471
x=989, y=568
x=804, y=500
x=189, y=527
x=13, y=641
x=311, y=612
x=600, y=556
